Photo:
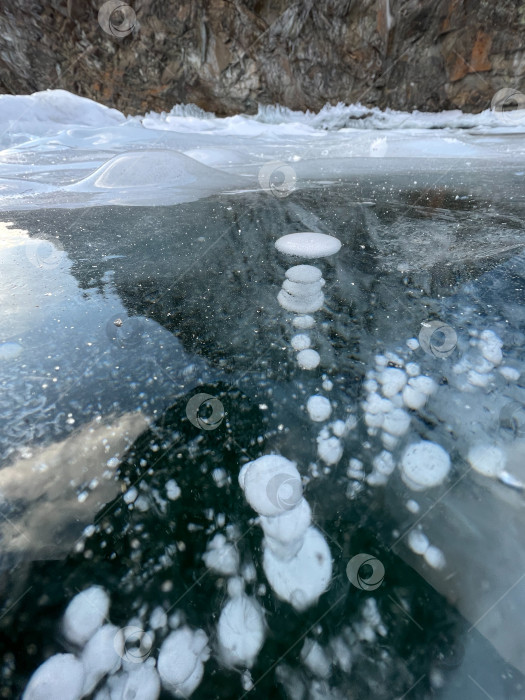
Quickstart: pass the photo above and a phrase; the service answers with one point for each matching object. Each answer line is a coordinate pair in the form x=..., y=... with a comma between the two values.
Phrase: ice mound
x=181, y=661
x=308, y=244
x=148, y=169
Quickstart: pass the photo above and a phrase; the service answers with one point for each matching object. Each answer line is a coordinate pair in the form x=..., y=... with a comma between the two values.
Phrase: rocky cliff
x=228, y=56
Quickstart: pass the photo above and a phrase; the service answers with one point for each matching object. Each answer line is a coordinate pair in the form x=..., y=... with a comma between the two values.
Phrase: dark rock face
x=230, y=55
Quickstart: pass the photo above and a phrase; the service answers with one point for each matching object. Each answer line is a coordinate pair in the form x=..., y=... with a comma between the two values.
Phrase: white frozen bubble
x=486, y=459
x=384, y=463
x=412, y=506
x=490, y=347
x=418, y=542
x=85, y=614
x=9, y=351
x=424, y=465
x=300, y=305
x=158, y=618
x=308, y=244
x=338, y=428
x=412, y=398
x=396, y=422
x=330, y=450
x=141, y=682
x=240, y=631
x=319, y=408
x=412, y=369
x=392, y=381
x=510, y=374
x=308, y=359
x=300, y=289
x=301, y=341
x=304, y=274
x=328, y=385
x=435, y=558
x=221, y=556
x=290, y=525
x=426, y=385
x=172, y=490
x=181, y=660
x=413, y=343
x=389, y=441
x=315, y=658
x=271, y=484
x=61, y=677
x=101, y=656
x=301, y=580
x=303, y=322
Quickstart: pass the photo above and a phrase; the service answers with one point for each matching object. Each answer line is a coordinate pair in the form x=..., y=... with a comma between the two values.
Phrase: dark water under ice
x=125, y=313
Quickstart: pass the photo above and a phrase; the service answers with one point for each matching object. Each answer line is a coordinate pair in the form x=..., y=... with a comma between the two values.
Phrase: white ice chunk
x=308, y=244
x=424, y=465
x=60, y=677
x=308, y=359
x=319, y=408
x=301, y=580
x=272, y=485
x=488, y=460
x=85, y=614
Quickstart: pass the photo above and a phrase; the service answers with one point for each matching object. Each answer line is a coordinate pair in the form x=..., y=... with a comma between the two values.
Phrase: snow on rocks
x=319, y=408
x=424, y=465
x=240, y=629
x=297, y=560
x=85, y=614
x=488, y=460
x=181, y=660
x=221, y=556
x=61, y=676
x=308, y=244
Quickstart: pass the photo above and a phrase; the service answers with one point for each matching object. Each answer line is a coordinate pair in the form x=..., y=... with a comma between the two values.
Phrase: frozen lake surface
x=152, y=345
